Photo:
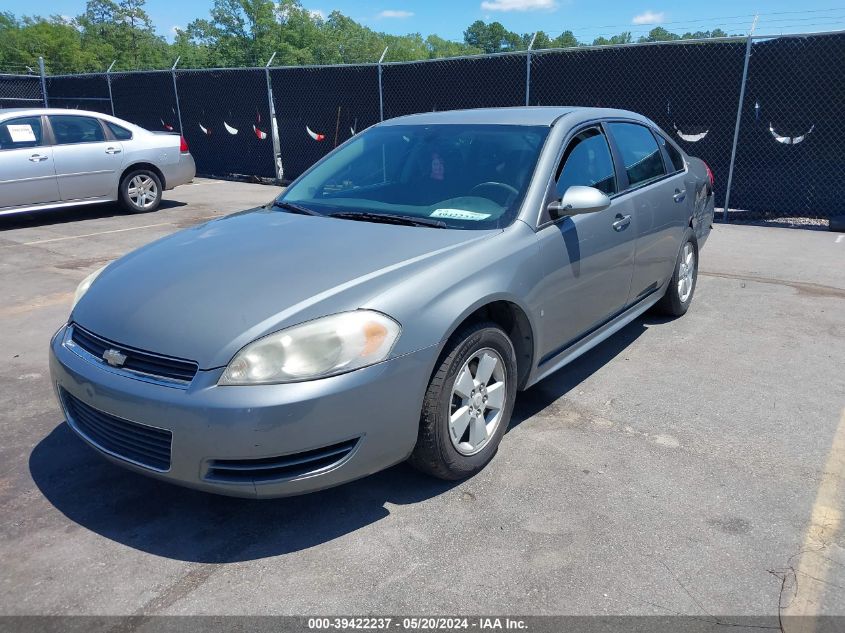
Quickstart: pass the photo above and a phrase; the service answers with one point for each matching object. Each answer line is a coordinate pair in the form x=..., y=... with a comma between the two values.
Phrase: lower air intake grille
x=137, y=443
x=275, y=468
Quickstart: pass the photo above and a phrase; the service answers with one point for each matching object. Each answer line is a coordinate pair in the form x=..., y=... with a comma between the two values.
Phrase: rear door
x=27, y=174
x=87, y=162
x=588, y=259
x=657, y=195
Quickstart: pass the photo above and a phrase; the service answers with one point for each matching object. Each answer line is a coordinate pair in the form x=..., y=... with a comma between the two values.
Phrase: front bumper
x=379, y=406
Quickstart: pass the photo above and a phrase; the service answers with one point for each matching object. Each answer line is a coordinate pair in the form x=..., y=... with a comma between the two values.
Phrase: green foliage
x=247, y=33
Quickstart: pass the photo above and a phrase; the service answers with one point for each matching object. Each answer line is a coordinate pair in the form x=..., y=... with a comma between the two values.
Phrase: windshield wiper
x=293, y=208
x=387, y=218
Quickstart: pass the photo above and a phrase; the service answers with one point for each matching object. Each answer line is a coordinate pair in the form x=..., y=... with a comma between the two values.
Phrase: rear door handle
x=622, y=222
x=680, y=195
x=37, y=158
x=112, y=150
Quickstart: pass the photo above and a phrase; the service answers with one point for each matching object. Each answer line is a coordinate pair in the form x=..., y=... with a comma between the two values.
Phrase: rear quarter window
x=120, y=133
x=676, y=160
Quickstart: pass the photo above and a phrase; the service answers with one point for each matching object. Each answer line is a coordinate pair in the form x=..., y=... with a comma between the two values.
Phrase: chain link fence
x=320, y=107
x=791, y=149
x=776, y=154
x=20, y=91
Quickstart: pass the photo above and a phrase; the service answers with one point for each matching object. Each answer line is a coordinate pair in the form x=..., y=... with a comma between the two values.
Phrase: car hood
x=203, y=293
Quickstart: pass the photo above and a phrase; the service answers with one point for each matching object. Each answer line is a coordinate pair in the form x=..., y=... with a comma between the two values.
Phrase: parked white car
x=53, y=158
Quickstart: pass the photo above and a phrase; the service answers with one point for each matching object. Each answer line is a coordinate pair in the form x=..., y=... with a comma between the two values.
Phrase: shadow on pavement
x=178, y=523
x=50, y=217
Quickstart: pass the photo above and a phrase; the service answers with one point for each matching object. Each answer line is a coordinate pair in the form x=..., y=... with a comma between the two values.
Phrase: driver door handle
x=680, y=194
x=622, y=222
x=37, y=158
x=112, y=150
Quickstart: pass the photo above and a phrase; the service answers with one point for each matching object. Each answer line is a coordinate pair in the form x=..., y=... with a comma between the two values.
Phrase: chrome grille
x=137, y=361
x=136, y=443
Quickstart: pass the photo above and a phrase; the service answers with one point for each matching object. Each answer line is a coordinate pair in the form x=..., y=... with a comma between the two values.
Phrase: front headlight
x=316, y=349
x=83, y=287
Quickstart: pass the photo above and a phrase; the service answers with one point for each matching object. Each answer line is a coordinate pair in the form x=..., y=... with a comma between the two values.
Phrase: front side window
x=459, y=176
x=587, y=161
x=69, y=129
x=640, y=154
x=21, y=132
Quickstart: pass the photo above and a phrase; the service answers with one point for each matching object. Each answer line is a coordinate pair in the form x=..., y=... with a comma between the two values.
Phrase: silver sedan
x=63, y=158
x=389, y=305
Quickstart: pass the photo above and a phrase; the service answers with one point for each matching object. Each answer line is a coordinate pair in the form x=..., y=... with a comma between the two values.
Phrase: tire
x=140, y=203
x=678, y=297
x=436, y=452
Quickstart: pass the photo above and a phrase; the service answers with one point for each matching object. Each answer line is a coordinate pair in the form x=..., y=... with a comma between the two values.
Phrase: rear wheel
x=681, y=288
x=140, y=191
x=468, y=404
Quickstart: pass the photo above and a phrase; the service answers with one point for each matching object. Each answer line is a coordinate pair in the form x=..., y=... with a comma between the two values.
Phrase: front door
x=87, y=164
x=27, y=174
x=587, y=259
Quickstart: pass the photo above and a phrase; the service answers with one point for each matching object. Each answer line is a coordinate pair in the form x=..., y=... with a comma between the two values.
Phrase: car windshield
x=455, y=176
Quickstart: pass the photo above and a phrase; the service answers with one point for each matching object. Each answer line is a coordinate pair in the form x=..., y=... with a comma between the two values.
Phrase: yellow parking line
x=825, y=521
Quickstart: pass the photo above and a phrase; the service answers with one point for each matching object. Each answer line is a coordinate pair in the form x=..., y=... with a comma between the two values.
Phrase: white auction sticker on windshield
x=459, y=214
x=21, y=133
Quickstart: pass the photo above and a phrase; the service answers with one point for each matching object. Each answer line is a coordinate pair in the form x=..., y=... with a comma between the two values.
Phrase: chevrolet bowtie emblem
x=114, y=358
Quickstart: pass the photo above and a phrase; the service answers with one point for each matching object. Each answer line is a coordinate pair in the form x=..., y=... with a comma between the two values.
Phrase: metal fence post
x=528, y=70
x=380, y=90
x=274, y=128
x=108, y=80
x=738, y=120
x=43, y=81
x=176, y=94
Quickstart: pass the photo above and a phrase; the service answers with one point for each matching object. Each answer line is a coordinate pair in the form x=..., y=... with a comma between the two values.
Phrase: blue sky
x=587, y=18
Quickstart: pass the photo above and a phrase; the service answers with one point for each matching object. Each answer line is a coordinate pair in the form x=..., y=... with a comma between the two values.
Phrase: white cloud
x=649, y=17
x=519, y=5
x=317, y=14
x=395, y=13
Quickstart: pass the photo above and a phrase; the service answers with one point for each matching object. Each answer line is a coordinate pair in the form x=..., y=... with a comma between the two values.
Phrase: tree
x=492, y=38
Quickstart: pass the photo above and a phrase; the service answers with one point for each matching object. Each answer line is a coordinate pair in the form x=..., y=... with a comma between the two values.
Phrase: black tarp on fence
x=79, y=92
x=453, y=84
x=320, y=107
x=146, y=99
x=20, y=91
x=226, y=121
x=791, y=143
x=691, y=91
x=791, y=152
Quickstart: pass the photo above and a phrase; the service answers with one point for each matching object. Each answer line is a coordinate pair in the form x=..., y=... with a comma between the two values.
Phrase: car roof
x=18, y=112
x=519, y=115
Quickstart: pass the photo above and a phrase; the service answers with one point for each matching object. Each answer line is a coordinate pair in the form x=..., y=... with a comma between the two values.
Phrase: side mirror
x=577, y=200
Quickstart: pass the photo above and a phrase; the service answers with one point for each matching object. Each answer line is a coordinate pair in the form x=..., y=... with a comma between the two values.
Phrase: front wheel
x=468, y=404
x=140, y=191
x=681, y=288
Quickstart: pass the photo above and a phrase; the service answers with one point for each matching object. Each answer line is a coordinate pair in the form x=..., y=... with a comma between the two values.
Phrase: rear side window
x=120, y=133
x=68, y=129
x=22, y=132
x=676, y=161
x=587, y=162
x=640, y=153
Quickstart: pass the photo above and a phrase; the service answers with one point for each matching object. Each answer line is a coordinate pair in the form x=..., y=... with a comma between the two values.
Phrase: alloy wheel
x=142, y=191
x=478, y=400
x=686, y=272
